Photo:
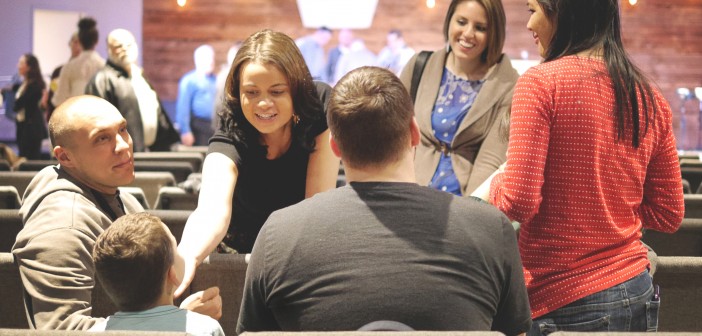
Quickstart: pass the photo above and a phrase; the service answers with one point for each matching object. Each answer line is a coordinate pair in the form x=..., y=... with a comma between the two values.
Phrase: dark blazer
x=34, y=124
x=113, y=84
x=480, y=144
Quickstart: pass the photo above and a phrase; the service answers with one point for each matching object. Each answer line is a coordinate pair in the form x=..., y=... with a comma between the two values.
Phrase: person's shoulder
x=188, y=76
x=199, y=324
x=100, y=326
x=65, y=209
x=95, y=57
x=477, y=210
x=310, y=207
x=70, y=66
x=505, y=70
x=553, y=67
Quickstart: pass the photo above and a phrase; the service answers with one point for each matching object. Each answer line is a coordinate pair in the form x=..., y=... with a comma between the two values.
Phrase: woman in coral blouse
x=591, y=161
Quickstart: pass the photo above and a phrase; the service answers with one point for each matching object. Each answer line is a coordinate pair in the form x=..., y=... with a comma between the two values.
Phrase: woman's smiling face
x=265, y=98
x=468, y=30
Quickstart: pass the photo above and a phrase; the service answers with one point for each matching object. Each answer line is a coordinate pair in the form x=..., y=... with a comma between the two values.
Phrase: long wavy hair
x=580, y=25
x=277, y=49
x=33, y=70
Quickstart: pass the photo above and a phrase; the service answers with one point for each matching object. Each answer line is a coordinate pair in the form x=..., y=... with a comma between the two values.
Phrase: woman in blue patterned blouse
x=463, y=99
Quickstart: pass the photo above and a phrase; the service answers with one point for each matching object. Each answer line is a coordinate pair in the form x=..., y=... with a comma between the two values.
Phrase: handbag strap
x=419, y=65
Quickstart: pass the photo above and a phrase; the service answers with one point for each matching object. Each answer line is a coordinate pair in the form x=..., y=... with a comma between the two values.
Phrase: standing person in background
x=78, y=71
x=196, y=97
x=31, y=126
x=8, y=95
x=74, y=45
x=271, y=151
x=591, y=161
x=396, y=53
x=357, y=56
x=220, y=83
x=463, y=99
x=312, y=49
x=345, y=39
x=121, y=83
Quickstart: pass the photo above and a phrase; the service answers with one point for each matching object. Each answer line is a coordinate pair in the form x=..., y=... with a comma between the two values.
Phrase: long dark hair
x=33, y=71
x=580, y=25
x=275, y=48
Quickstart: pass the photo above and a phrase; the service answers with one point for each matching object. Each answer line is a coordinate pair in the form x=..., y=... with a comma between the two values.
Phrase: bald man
x=121, y=82
x=68, y=205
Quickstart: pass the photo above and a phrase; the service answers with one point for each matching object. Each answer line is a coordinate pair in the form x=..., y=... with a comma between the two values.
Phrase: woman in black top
x=271, y=151
x=31, y=126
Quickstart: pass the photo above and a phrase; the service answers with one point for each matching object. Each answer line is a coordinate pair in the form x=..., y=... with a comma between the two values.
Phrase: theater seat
x=138, y=193
x=20, y=332
x=174, y=198
x=12, y=303
x=687, y=189
x=9, y=197
x=174, y=219
x=693, y=205
x=151, y=183
x=179, y=169
x=10, y=226
x=18, y=179
x=35, y=165
x=227, y=271
x=193, y=158
x=686, y=242
x=679, y=279
x=376, y=333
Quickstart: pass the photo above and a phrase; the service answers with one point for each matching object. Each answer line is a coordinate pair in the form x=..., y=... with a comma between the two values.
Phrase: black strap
x=419, y=65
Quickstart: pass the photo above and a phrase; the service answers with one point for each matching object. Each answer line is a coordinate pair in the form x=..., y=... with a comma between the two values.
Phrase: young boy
x=137, y=264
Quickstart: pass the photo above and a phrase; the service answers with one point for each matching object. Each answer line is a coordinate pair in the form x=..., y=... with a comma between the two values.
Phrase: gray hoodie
x=62, y=219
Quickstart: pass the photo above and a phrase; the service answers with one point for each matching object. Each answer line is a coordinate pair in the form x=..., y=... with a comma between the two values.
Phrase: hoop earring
x=296, y=119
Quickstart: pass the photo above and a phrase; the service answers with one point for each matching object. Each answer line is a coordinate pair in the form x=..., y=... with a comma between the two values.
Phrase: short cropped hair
x=369, y=115
x=132, y=258
x=496, y=30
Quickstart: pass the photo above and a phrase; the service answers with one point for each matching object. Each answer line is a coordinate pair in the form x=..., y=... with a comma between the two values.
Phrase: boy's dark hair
x=369, y=115
x=132, y=258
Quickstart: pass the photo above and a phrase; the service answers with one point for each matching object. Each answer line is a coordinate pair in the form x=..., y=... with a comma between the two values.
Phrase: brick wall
x=664, y=37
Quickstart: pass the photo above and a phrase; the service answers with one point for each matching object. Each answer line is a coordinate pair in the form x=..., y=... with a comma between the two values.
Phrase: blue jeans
x=630, y=306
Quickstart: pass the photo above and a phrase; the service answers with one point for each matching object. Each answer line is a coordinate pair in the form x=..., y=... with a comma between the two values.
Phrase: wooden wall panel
x=664, y=37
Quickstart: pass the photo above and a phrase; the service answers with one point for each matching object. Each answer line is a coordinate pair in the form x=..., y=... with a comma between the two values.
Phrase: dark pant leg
x=202, y=131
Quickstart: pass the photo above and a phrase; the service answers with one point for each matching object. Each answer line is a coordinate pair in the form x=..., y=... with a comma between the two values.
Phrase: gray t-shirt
x=386, y=251
x=162, y=318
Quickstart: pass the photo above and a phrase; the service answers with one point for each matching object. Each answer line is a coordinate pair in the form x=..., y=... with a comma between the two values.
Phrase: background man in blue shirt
x=196, y=94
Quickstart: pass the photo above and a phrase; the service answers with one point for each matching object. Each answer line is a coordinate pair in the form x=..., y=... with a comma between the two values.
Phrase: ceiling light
x=336, y=14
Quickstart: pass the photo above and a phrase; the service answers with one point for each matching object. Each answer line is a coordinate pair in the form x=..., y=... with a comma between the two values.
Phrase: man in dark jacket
x=121, y=83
